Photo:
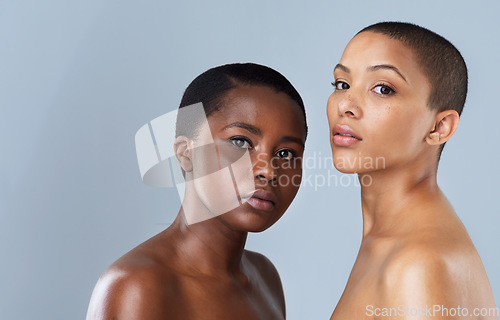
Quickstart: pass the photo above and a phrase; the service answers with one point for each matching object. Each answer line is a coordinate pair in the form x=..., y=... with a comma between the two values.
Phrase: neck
x=205, y=243
x=387, y=193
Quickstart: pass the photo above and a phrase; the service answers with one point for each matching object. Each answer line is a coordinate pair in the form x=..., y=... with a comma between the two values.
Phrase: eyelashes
x=286, y=154
x=241, y=142
x=380, y=88
x=244, y=143
x=340, y=85
x=383, y=89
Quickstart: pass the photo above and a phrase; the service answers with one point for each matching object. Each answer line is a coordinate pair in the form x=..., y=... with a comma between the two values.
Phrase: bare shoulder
x=136, y=286
x=413, y=266
x=436, y=272
x=265, y=267
x=269, y=274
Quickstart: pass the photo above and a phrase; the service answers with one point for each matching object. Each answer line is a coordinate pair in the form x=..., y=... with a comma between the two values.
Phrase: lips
x=262, y=200
x=344, y=136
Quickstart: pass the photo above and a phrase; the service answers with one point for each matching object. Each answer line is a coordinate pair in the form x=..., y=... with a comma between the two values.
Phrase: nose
x=348, y=106
x=263, y=169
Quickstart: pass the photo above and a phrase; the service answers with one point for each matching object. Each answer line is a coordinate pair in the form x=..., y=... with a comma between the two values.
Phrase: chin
x=358, y=163
x=341, y=166
x=247, y=219
x=345, y=170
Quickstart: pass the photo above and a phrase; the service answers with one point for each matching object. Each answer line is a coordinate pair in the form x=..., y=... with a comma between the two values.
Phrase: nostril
x=270, y=177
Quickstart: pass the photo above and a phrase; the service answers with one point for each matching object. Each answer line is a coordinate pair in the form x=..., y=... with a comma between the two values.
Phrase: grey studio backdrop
x=79, y=78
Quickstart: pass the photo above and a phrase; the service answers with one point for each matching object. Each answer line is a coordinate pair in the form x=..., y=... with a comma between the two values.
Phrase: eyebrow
x=387, y=67
x=258, y=132
x=372, y=68
x=341, y=67
x=250, y=128
x=293, y=139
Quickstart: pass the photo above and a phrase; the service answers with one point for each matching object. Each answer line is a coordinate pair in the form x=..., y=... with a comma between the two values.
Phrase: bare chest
x=359, y=297
x=212, y=300
x=363, y=291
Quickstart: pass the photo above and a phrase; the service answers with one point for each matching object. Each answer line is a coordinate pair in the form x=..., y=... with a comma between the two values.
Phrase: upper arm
x=127, y=295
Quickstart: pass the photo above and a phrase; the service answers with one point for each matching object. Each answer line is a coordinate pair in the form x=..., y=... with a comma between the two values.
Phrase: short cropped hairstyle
x=441, y=62
x=211, y=86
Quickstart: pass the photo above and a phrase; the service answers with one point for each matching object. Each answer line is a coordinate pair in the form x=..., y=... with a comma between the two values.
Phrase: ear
x=182, y=149
x=445, y=125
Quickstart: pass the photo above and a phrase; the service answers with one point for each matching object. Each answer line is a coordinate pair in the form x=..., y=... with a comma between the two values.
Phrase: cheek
x=205, y=160
x=407, y=126
x=220, y=175
x=243, y=178
x=331, y=111
x=289, y=179
x=397, y=131
x=217, y=192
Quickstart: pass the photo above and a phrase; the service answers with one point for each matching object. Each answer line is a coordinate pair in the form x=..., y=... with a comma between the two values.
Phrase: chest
x=364, y=288
x=211, y=300
x=360, y=294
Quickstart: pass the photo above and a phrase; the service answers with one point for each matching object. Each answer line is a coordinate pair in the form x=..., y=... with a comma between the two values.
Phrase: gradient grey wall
x=78, y=79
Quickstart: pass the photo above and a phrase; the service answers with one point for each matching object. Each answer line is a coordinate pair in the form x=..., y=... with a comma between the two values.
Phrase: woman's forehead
x=371, y=47
x=258, y=105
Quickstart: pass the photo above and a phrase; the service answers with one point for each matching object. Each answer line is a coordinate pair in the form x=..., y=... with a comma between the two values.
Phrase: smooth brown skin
x=201, y=271
x=415, y=251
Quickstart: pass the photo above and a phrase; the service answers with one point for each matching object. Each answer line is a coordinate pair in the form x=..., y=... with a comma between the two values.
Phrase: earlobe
x=446, y=123
x=182, y=149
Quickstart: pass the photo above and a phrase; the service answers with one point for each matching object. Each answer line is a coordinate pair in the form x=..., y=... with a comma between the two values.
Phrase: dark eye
x=285, y=154
x=241, y=143
x=383, y=89
x=340, y=85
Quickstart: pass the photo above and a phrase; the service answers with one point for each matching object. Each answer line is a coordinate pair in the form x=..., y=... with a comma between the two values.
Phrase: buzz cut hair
x=440, y=60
